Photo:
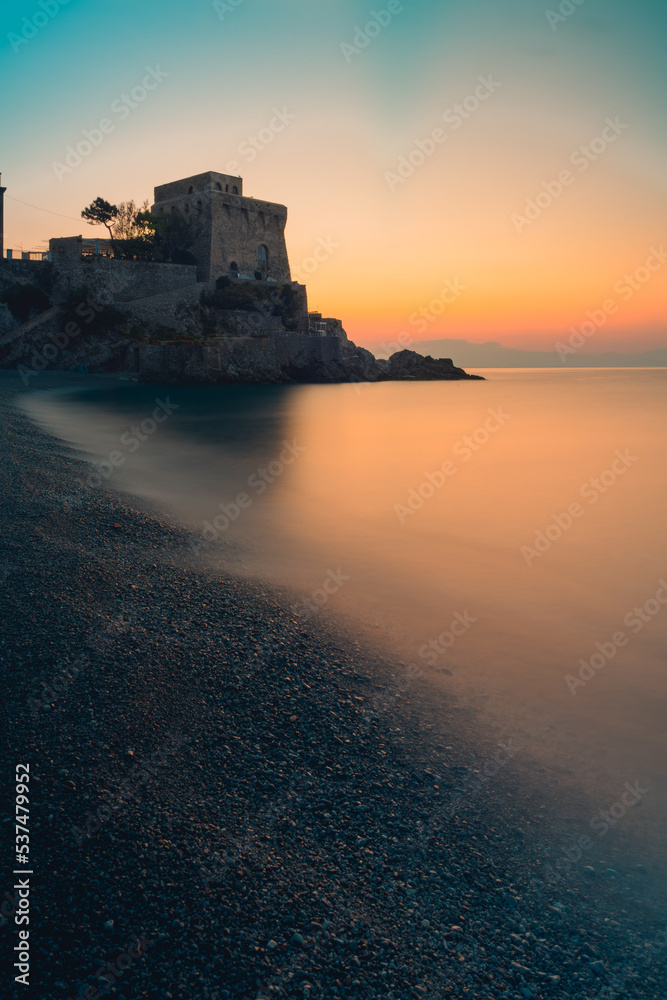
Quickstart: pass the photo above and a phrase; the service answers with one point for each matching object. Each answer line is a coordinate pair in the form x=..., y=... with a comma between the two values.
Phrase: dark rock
x=406, y=365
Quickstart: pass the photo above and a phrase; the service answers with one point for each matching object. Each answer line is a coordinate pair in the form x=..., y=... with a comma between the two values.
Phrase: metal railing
x=97, y=248
x=27, y=255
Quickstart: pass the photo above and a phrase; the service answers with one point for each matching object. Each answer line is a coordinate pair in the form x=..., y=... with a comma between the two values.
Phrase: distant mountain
x=493, y=355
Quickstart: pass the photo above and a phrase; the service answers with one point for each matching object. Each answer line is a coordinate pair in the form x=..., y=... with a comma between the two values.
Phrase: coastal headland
x=197, y=291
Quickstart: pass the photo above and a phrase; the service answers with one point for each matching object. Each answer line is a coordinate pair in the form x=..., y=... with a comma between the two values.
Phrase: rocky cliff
x=267, y=359
x=268, y=340
x=280, y=359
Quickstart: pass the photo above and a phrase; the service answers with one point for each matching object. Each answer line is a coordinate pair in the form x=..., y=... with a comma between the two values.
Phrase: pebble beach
x=230, y=802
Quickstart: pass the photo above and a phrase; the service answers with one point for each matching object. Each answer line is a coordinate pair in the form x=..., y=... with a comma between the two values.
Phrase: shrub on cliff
x=137, y=234
x=255, y=296
x=290, y=306
x=24, y=299
x=84, y=309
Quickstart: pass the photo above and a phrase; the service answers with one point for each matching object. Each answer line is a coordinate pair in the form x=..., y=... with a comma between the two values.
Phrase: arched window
x=218, y=186
x=263, y=256
x=235, y=190
x=234, y=268
x=227, y=188
x=190, y=189
x=199, y=205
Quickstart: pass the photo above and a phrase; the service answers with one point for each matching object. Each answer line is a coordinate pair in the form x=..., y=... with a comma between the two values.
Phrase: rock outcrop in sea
x=281, y=359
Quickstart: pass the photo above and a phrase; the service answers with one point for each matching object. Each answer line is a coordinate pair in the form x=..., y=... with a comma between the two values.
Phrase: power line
x=71, y=217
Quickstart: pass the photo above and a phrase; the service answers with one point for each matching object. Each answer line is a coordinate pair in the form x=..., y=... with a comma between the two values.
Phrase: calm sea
x=506, y=536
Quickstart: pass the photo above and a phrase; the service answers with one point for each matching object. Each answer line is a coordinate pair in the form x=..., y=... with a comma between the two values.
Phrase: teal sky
x=352, y=120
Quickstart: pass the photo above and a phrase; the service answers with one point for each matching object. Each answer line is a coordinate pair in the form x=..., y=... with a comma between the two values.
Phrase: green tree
x=101, y=213
x=137, y=234
x=175, y=234
x=92, y=317
x=141, y=241
x=128, y=225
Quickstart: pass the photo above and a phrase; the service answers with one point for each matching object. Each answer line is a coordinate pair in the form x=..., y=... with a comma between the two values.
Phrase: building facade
x=236, y=236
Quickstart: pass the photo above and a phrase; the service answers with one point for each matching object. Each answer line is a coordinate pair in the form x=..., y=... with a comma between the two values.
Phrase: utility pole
x=2, y=219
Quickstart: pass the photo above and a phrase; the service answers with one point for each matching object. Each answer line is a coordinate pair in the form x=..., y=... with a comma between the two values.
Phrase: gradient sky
x=454, y=219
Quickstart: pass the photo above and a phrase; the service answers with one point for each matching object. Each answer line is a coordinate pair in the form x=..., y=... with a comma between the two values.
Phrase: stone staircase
x=29, y=325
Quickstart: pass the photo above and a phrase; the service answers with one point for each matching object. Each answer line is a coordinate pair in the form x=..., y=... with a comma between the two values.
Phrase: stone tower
x=237, y=236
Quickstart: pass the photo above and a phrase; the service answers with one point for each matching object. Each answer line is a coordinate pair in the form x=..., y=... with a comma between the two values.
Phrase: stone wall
x=231, y=228
x=180, y=310
x=111, y=278
x=177, y=308
x=32, y=270
x=241, y=323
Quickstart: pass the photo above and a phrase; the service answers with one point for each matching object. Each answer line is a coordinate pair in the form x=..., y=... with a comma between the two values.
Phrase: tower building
x=236, y=236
